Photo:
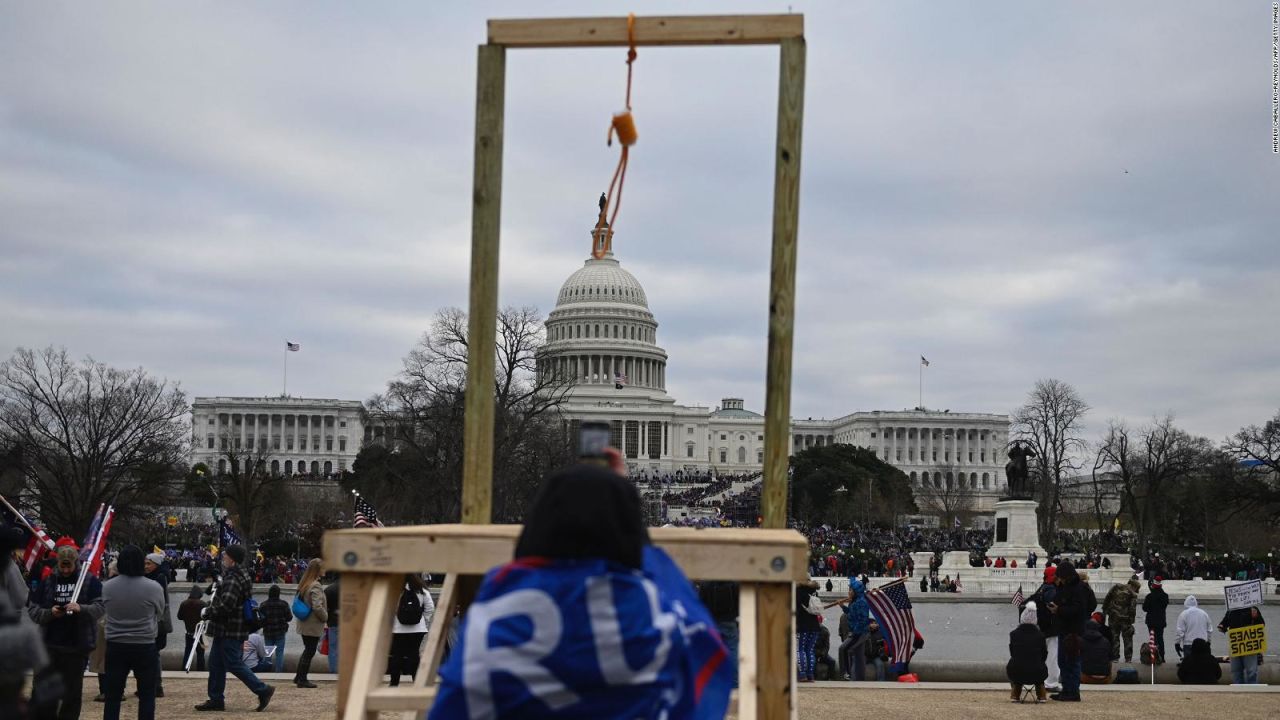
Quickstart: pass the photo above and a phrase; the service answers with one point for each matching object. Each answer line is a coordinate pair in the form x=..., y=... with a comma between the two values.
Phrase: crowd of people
x=1067, y=637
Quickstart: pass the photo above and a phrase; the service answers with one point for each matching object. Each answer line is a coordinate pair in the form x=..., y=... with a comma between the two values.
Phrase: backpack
x=409, y=610
x=254, y=618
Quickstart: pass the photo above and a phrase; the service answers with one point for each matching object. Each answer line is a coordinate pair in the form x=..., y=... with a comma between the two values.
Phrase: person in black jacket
x=1095, y=652
x=1027, y=655
x=1154, y=605
x=70, y=626
x=1244, y=668
x=1070, y=607
x=1199, y=667
x=1044, y=620
x=807, y=624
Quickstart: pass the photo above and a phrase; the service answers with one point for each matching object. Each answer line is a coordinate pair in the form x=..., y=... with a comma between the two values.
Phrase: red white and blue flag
x=292, y=346
x=891, y=607
x=35, y=542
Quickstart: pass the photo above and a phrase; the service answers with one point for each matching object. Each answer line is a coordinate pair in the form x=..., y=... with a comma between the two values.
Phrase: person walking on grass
x=311, y=627
x=133, y=608
x=229, y=630
x=70, y=626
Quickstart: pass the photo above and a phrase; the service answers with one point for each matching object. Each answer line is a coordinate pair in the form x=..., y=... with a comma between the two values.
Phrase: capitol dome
x=601, y=334
x=601, y=281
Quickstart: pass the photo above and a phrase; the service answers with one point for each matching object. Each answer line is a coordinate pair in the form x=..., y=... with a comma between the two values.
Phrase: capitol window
x=742, y=437
x=722, y=436
x=688, y=450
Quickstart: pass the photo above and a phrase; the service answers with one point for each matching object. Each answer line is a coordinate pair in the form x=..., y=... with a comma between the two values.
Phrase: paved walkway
x=818, y=701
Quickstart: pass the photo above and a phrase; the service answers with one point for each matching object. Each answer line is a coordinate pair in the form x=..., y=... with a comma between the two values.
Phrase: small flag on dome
x=619, y=380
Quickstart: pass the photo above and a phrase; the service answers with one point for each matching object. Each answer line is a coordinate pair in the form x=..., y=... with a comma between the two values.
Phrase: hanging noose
x=624, y=125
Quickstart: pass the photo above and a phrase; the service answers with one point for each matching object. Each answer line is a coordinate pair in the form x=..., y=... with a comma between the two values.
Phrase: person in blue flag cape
x=588, y=621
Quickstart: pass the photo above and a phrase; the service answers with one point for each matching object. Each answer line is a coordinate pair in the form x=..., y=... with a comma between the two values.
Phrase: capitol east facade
x=602, y=342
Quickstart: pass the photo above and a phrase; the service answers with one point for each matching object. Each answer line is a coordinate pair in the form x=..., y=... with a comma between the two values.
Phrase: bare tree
x=423, y=409
x=89, y=433
x=1256, y=487
x=947, y=496
x=1148, y=466
x=1051, y=421
x=245, y=482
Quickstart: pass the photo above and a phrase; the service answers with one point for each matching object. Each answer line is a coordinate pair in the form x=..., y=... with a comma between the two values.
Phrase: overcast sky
x=184, y=186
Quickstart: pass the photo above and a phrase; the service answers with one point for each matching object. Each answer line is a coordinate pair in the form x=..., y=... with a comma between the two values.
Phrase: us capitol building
x=602, y=340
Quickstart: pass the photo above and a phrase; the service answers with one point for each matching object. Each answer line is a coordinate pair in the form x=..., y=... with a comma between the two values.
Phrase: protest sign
x=1251, y=640
x=1243, y=595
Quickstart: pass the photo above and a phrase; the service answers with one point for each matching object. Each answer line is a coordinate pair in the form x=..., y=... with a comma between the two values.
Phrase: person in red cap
x=1154, y=605
x=1044, y=620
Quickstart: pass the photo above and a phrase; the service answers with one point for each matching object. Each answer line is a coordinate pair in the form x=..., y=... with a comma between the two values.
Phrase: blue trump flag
x=551, y=638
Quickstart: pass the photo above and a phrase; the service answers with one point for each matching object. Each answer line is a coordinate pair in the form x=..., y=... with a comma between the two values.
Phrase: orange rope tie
x=625, y=127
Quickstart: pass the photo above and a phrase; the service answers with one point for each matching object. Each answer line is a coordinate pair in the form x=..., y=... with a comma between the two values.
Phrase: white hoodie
x=1193, y=624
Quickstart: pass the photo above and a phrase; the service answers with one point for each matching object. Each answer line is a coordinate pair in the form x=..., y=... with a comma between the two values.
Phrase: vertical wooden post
x=775, y=654
x=486, y=215
x=775, y=651
x=354, y=599
x=782, y=283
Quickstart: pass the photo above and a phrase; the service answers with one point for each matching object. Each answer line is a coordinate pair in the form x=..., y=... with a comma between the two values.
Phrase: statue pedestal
x=1017, y=532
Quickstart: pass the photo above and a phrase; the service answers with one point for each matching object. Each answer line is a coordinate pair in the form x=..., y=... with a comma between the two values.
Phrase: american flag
x=34, y=540
x=1017, y=597
x=292, y=347
x=619, y=380
x=892, y=609
x=365, y=515
x=923, y=361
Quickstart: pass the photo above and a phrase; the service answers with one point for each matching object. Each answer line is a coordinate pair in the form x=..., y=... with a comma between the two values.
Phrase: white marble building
x=602, y=338
x=301, y=436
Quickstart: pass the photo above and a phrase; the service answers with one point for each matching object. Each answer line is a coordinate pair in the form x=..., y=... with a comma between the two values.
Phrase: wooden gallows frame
x=767, y=562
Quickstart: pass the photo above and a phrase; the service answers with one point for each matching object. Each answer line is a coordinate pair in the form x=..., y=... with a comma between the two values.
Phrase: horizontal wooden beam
x=401, y=698
x=674, y=30
x=737, y=554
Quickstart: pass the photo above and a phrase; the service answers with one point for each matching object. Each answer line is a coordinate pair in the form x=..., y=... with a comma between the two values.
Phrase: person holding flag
x=69, y=623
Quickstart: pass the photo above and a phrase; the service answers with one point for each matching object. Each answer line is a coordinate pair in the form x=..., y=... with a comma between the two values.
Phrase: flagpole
x=285, y=391
x=921, y=399
x=97, y=542
x=17, y=515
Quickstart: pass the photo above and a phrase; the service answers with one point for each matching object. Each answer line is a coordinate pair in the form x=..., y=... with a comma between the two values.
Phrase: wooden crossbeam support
x=735, y=554
x=677, y=30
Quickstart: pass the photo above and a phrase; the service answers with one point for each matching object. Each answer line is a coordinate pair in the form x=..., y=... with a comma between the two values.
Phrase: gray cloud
x=184, y=187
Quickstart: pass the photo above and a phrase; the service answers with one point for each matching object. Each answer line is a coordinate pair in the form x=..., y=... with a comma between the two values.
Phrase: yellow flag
x=1117, y=524
x=156, y=549
x=213, y=549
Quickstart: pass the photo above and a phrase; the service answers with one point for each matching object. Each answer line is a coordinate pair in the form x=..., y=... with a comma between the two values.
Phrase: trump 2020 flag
x=586, y=639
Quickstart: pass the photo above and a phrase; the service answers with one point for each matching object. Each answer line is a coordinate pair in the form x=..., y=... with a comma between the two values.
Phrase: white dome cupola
x=601, y=331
